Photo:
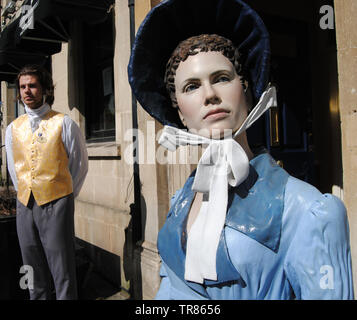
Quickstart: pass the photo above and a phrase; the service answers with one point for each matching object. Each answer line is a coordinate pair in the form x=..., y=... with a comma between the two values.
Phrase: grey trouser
x=46, y=237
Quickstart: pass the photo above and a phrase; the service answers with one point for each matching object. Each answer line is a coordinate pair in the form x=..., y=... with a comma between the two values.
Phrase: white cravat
x=223, y=163
x=36, y=115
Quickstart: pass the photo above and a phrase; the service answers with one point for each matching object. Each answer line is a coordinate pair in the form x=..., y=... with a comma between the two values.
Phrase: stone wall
x=8, y=109
x=346, y=33
x=102, y=214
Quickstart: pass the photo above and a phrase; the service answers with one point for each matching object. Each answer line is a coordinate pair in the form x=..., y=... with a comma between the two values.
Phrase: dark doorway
x=303, y=133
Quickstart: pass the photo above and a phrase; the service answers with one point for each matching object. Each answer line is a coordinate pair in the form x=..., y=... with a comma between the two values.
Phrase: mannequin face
x=209, y=94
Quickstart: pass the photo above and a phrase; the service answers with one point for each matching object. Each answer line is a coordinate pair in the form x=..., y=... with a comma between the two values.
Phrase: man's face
x=30, y=91
x=209, y=94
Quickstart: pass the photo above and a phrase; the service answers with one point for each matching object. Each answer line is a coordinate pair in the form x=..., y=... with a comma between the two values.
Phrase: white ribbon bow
x=223, y=163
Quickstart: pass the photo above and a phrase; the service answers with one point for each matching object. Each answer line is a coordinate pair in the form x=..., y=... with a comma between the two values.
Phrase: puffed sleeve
x=318, y=261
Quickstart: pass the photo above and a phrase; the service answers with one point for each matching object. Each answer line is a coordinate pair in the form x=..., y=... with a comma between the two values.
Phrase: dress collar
x=258, y=207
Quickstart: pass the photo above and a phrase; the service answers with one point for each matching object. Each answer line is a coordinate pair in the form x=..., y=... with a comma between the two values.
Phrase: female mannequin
x=241, y=227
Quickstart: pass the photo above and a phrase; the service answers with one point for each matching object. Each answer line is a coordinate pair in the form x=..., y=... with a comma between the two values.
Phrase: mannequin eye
x=222, y=78
x=190, y=87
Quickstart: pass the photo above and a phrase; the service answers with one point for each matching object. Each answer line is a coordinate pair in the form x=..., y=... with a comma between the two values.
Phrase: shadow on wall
x=134, y=235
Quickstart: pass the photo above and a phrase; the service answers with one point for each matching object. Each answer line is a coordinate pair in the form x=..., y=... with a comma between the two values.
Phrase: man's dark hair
x=44, y=78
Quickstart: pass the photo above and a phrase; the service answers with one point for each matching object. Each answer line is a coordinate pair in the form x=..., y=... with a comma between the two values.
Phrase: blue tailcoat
x=282, y=239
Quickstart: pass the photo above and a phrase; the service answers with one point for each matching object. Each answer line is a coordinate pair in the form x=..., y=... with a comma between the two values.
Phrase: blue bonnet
x=173, y=21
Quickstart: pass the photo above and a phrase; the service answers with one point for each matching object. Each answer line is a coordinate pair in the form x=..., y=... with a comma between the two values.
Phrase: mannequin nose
x=211, y=96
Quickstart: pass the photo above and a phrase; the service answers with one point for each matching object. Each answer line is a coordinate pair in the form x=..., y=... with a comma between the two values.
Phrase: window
x=98, y=57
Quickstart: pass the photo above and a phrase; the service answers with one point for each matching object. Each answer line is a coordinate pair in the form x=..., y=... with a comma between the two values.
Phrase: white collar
x=39, y=112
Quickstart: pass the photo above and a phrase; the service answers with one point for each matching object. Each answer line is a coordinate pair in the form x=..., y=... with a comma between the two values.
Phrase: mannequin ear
x=245, y=85
x=181, y=117
x=248, y=98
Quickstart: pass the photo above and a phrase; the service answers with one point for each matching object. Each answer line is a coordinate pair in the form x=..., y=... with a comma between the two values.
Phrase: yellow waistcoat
x=41, y=161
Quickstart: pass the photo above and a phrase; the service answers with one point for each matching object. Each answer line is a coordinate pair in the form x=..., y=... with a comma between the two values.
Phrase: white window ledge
x=103, y=149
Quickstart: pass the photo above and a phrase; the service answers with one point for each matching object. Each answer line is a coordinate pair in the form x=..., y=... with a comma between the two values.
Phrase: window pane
x=99, y=80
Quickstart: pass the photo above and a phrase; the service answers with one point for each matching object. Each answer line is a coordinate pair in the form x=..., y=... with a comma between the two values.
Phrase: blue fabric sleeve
x=165, y=286
x=318, y=261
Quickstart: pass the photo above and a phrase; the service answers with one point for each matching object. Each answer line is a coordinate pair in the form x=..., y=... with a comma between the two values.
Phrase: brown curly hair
x=43, y=76
x=194, y=45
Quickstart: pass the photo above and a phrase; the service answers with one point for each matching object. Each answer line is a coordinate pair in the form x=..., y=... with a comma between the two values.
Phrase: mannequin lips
x=216, y=114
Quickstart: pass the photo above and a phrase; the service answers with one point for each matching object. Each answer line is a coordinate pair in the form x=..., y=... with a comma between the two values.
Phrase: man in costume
x=241, y=227
x=48, y=162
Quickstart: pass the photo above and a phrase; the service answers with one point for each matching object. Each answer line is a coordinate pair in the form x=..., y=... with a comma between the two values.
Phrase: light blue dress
x=282, y=239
